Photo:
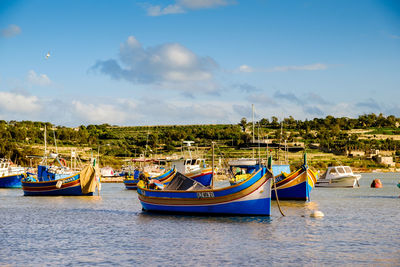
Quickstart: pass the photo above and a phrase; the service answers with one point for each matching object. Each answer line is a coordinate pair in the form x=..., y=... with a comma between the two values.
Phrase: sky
x=173, y=62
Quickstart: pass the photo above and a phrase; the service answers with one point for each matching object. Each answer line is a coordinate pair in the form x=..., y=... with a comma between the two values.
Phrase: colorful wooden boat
x=132, y=180
x=10, y=176
x=296, y=185
x=249, y=197
x=82, y=183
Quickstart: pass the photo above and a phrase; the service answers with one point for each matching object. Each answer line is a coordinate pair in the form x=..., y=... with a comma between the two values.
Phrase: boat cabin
x=336, y=171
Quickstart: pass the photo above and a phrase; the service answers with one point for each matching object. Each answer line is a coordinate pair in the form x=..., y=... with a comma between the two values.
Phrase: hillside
x=327, y=141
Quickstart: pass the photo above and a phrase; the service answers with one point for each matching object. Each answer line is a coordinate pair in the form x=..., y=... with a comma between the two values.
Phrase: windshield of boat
x=348, y=169
x=333, y=171
x=341, y=170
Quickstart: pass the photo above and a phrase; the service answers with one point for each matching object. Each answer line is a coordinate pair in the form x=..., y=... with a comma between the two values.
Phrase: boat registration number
x=68, y=180
x=205, y=194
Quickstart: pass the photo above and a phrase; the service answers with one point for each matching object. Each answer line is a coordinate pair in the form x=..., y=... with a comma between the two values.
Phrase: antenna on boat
x=189, y=144
x=55, y=141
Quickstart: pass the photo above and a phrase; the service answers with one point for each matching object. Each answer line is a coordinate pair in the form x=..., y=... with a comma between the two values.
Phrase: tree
x=243, y=123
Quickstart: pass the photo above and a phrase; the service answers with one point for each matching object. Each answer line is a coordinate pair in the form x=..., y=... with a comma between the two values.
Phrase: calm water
x=361, y=227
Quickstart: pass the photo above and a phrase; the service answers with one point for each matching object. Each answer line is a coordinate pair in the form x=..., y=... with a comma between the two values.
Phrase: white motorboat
x=338, y=176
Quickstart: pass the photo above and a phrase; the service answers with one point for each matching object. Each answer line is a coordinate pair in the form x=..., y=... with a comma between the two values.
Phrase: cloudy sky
x=197, y=61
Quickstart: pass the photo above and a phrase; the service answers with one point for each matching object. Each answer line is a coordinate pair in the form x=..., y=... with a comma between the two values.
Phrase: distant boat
x=339, y=176
x=195, y=169
x=131, y=181
x=81, y=183
x=10, y=176
x=184, y=195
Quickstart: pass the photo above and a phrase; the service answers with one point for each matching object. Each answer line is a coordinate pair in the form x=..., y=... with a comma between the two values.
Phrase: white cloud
x=316, y=66
x=99, y=113
x=171, y=64
x=245, y=68
x=155, y=11
x=182, y=6
x=18, y=103
x=11, y=31
x=35, y=79
x=310, y=67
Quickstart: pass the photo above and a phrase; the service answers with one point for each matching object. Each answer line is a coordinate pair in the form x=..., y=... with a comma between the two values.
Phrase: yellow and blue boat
x=81, y=183
x=296, y=185
x=132, y=180
x=184, y=195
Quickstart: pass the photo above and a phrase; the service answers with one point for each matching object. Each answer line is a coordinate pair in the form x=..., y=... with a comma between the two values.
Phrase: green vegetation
x=330, y=135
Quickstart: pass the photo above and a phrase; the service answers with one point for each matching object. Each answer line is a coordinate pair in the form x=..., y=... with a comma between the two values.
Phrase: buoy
x=376, y=183
x=317, y=214
x=59, y=184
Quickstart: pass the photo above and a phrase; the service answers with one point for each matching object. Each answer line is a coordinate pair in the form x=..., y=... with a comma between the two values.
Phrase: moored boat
x=295, y=185
x=10, y=176
x=184, y=195
x=81, y=183
x=339, y=176
x=131, y=181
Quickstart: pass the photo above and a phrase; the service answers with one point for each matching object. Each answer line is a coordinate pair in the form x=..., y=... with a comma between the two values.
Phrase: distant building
x=388, y=161
x=356, y=153
x=372, y=153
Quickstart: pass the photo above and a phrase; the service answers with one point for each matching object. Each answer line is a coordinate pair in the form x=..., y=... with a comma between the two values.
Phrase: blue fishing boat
x=81, y=183
x=184, y=195
x=131, y=181
x=10, y=176
x=295, y=185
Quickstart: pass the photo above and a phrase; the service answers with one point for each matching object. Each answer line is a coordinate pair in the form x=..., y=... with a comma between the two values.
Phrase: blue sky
x=194, y=62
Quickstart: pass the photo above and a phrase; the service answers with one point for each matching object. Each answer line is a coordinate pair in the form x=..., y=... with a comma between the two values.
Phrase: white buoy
x=59, y=184
x=317, y=214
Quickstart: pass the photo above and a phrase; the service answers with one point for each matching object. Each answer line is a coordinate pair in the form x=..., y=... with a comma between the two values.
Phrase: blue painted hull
x=131, y=184
x=204, y=179
x=248, y=208
x=71, y=186
x=297, y=192
x=12, y=181
x=250, y=197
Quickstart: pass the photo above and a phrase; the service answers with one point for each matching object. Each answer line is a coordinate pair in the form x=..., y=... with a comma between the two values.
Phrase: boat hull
x=70, y=186
x=131, y=184
x=346, y=182
x=295, y=186
x=203, y=176
x=11, y=181
x=250, y=197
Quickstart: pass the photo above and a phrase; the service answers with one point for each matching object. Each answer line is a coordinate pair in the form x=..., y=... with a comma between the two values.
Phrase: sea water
x=361, y=226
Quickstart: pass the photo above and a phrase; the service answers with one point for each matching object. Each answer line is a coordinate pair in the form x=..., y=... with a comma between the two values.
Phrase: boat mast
x=45, y=145
x=252, y=111
x=252, y=108
x=212, y=177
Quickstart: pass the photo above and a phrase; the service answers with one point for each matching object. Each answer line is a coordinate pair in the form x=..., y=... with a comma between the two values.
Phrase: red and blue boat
x=81, y=183
x=251, y=196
